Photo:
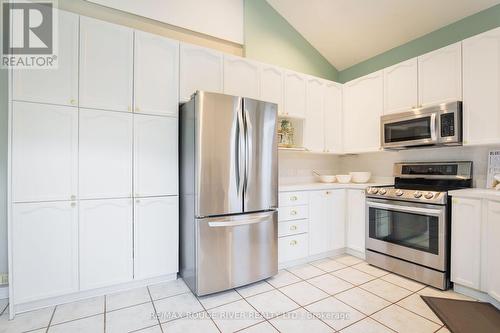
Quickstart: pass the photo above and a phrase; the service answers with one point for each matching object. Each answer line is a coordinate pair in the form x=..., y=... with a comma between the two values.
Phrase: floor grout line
x=51, y=317
x=154, y=308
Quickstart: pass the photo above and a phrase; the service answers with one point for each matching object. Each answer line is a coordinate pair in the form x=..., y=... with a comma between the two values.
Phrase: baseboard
x=4, y=291
x=482, y=296
x=29, y=306
x=356, y=253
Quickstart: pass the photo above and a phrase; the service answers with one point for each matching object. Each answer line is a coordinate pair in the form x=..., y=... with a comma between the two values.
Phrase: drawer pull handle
x=293, y=227
x=294, y=198
x=293, y=212
x=293, y=243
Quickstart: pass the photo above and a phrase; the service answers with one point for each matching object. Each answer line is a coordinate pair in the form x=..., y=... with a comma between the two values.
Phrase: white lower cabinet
x=466, y=242
x=356, y=206
x=105, y=237
x=293, y=247
x=45, y=250
x=156, y=236
x=155, y=156
x=326, y=221
x=493, y=249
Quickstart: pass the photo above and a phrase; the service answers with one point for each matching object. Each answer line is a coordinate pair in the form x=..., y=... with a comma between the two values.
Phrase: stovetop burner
x=425, y=182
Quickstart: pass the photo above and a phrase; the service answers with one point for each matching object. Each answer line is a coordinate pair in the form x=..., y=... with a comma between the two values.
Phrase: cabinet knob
x=293, y=212
x=138, y=201
x=293, y=243
x=293, y=227
x=72, y=101
x=328, y=192
x=294, y=198
x=73, y=204
x=73, y=197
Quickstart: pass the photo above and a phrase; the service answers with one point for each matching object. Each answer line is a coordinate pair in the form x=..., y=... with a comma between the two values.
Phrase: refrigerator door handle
x=240, y=155
x=232, y=222
x=248, y=148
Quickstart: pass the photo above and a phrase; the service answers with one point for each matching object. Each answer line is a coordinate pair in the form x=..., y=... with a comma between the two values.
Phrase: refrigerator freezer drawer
x=235, y=251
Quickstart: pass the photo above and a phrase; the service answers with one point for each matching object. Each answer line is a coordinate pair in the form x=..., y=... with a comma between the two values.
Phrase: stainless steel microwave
x=439, y=125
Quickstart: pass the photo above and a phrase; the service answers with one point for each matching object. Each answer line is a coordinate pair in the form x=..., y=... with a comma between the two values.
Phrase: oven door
x=409, y=130
x=409, y=231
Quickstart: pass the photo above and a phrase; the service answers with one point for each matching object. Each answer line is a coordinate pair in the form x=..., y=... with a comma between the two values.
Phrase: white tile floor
x=336, y=294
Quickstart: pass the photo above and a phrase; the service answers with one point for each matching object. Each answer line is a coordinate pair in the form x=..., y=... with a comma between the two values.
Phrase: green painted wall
x=467, y=27
x=270, y=38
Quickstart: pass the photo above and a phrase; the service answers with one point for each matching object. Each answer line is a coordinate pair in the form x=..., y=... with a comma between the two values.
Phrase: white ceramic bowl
x=344, y=179
x=360, y=177
x=327, y=178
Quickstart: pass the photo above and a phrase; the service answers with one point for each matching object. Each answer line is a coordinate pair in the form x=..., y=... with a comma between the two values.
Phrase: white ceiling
x=347, y=32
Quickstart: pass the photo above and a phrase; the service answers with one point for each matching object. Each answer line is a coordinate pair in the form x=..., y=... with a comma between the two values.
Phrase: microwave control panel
x=447, y=124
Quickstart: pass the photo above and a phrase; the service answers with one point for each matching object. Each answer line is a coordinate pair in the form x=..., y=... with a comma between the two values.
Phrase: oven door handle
x=427, y=211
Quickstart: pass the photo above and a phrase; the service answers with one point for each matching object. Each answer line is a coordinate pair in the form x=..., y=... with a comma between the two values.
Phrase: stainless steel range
x=408, y=225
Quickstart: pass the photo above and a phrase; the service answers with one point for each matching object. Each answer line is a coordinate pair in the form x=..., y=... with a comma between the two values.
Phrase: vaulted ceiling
x=347, y=32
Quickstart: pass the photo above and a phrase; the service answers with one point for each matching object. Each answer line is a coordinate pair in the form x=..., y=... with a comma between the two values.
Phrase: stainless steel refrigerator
x=228, y=191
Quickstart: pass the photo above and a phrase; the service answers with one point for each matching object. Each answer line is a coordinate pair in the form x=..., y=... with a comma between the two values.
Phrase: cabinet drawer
x=293, y=247
x=293, y=199
x=293, y=213
x=288, y=228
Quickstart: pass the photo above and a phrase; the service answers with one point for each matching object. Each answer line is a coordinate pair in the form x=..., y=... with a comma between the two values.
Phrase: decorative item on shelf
x=285, y=134
x=493, y=169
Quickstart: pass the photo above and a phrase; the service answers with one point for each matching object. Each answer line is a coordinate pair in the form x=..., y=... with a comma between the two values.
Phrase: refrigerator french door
x=229, y=191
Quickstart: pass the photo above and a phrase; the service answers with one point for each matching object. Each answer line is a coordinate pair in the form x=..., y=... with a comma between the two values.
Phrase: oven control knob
x=399, y=193
x=429, y=195
x=373, y=190
x=382, y=191
x=417, y=194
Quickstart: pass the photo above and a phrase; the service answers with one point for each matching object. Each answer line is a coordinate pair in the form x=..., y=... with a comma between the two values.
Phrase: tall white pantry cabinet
x=93, y=154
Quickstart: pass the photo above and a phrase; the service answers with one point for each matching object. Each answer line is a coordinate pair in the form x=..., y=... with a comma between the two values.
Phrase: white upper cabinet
x=44, y=250
x=400, y=87
x=363, y=105
x=295, y=94
x=493, y=249
x=333, y=117
x=106, y=65
x=200, y=69
x=155, y=156
x=271, y=85
x=314, y=129
x=156, y=74
x=156, y=237
x=44, y=152
x=54, y=86
x=105, y=238
x=466, y=242
x=356, y=220
x=241, y=77
x=440, y=76
x=481, y=75
x=105, y=154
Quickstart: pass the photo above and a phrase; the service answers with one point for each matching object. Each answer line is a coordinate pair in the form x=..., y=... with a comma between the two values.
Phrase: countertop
x=479, y=193
x=311, y=186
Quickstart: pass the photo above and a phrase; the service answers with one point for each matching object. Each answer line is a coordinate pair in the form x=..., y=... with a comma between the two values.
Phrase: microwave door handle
x=433, y=128
x=417, y=210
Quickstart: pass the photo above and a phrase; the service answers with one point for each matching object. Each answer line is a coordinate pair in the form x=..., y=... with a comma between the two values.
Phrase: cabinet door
x=363, y=104
x=493, y=249
x=295, y=94
x=466, y=242
x=44, y=152
x=44, y=249
x=356, y=211
x=241, y=77
x=105, y=233
x=481, y=75
x=271, y=85
x=106, y=65
x=400, y=87
x=319, y=230
x=105, y=154
x=156, y=237
x=314, y=129
x=440, y=76
x=200, y=69
x=54, y=86
x=155, y=156
x=156, y=74
x=336, y=218
x=333, y=117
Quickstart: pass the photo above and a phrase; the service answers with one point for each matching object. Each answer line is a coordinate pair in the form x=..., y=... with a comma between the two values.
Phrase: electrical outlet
x=4, y=278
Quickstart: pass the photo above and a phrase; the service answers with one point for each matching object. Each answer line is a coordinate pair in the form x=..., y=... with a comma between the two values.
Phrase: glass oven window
x=408, y=130
x=420, y=232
